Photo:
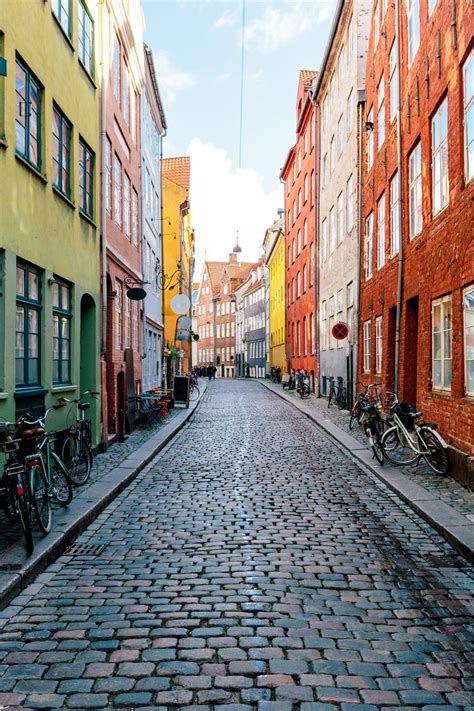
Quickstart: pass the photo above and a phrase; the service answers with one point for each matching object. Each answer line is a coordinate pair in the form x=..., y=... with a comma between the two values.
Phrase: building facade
x=153, y=126
x=123, y=61
x=339, y=105
x=299, y=176
x=49, y=208
x=274, y=246
x=417, y=270
x=252, y=300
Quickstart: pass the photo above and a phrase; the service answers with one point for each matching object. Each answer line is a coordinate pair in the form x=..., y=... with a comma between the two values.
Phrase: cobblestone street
x=252, y=565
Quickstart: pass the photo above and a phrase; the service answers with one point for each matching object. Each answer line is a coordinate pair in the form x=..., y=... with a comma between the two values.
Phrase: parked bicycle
x=17, y=489
x=408, y=441
x=337, y=393
x=364, y=397
x=373, y=425
x=303, y=387
x=275, y=375
x=194, y=391
x=77, y=447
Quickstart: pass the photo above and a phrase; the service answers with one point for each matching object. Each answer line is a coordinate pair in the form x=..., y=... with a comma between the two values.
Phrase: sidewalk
x=112, y=471
x=441, y=501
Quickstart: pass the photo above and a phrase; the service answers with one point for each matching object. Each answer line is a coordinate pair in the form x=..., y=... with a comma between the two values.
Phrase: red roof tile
x=178, y=170
x=307, y=75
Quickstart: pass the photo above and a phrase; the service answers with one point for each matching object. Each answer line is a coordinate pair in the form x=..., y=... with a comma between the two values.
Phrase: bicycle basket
x=404, y=411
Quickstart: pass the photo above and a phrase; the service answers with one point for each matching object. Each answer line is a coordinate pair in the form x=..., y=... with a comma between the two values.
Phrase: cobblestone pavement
x=252, y=565
x=445, y=487
x=10, y=532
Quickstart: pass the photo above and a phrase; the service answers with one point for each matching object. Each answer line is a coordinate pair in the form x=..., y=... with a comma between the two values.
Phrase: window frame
x=468, y=108
x=64, y=315
x=86, y=196
x=369, y=245
x=378, y=344
x=394, y=81
x=30, y=79
x=415, y=190
x=367, y=338
x=381, y=232
x=381, y=112
x=442, y=331
x=437, y=151
x=62, y=121
x=28, y=304
x=82, y=35
x=413, y=23
x=466, y=291
x=58, y=15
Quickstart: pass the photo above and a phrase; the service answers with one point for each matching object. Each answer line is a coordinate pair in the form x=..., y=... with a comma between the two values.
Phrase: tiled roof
x=253, y=286
x=307, y=75
x=214, y=269
x=178, y=170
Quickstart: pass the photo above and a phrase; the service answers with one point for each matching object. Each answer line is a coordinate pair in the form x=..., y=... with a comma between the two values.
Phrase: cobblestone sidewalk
x=445, y=487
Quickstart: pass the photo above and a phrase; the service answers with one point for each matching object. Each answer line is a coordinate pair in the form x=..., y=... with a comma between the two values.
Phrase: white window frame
x=440, y=158
x=350, y=203
x=394, y=88
x=381, y=236
x=468, y=329
x=369, y=245
x=381, y=112
x=367, y=345
x=468, y=75
x=395, y=206
x=378, y=344
x=415, y=189
x=413, y=20
x=445, y=340
x=370, y=140
x=340, y=217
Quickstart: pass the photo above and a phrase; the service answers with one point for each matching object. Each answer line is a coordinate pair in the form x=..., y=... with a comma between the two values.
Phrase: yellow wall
x=174, y=250
x=276, y=268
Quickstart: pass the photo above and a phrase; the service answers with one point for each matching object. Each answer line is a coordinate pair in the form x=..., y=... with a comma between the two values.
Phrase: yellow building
x=178, y=255
x=49, y=206
x=274, y=245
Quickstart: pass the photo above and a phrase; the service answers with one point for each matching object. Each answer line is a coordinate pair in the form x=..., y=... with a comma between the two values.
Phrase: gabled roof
x=238, y=271
x=307, y=75
x=151, y=67
x=178, y=170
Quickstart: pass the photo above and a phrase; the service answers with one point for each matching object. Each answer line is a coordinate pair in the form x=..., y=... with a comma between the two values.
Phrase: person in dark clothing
x=211, y=371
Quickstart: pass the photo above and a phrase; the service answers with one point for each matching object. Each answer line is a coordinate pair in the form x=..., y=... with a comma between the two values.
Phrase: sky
x=197, y=51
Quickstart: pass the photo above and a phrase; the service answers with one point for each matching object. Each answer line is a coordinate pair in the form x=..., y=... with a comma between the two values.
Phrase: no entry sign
x=340, y=331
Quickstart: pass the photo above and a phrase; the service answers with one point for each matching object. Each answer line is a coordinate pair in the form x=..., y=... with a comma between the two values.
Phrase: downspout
x=396, y=380
x=316, y=188
x=103, y=181
x=360, y=230
x=162, y=255
x=287, y=343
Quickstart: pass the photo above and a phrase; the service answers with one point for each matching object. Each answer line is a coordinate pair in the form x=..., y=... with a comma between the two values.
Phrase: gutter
x=396, y=380
x=103, y=180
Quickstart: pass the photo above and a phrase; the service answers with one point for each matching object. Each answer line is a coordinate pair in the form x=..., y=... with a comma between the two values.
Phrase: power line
x=242, y=57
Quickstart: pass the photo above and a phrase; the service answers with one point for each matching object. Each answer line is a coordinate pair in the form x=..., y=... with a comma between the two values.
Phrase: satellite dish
x=180, y=304
x=184, y=322
x=182, y=335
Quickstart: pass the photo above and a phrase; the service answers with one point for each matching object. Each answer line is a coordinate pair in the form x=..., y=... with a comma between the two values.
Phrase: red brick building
x=298, y=175
x=418, y=189
x=122, y=364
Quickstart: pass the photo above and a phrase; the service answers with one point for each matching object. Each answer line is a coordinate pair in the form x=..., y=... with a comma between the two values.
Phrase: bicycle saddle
x=34, y=432
x=84, y=405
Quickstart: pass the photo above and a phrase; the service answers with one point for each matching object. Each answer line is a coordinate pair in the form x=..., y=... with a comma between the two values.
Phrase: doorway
x=88, y=354
x=410, y=351
x=121, y=406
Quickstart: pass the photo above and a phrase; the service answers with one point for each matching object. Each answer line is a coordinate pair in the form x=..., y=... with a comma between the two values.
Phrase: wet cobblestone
x=251, y=565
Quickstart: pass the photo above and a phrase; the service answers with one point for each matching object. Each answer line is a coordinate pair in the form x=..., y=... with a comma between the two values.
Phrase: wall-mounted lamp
x=369, y=126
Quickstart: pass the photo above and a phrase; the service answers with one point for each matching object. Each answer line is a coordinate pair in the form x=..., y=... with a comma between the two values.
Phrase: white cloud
x=256, y=75
x=225, y=199
x=227, y=19
x=283, y=23
x=171, y=80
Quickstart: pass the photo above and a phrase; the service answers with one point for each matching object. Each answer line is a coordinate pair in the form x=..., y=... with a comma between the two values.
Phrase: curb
x=85, y=507
x=449, y=523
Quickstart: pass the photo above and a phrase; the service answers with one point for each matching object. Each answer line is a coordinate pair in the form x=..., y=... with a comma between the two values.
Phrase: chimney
x=233, y=258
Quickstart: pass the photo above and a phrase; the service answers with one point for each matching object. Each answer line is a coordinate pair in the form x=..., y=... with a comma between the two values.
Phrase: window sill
x=31, y=167
x=87, y=218
x=84, y=69
x=4, y=396
x=441, y=392
x=438, y=214
x=63, y=32
x=29, y=390
x=63, y=388
x=3, y=142
x=66, y=199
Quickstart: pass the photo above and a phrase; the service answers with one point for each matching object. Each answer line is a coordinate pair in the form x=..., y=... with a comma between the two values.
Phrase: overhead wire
x=242, y=63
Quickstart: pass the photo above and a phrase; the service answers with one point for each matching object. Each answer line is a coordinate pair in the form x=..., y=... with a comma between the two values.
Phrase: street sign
x=340, y=331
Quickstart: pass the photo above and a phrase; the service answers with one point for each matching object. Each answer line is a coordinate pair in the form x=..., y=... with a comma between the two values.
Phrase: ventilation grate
x=85, y=549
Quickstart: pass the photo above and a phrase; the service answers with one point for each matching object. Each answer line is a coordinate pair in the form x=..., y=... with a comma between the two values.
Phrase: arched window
x=305, y=337
x=305, y=278
x=299, y=241
x=305, y=233
x=311, y=334
x=298, y=338
x=298, y=285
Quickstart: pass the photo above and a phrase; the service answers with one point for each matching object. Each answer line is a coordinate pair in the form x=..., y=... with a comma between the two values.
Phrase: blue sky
x=197, y=49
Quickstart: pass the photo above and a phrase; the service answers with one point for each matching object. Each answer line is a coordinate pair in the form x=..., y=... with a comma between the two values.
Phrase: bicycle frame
x=410, y=437
x=46, y=457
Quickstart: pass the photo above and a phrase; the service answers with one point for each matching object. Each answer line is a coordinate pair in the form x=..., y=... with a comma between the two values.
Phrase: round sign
x=180, y=304
x=184, y=322
x=136, y=293
x=340, y=331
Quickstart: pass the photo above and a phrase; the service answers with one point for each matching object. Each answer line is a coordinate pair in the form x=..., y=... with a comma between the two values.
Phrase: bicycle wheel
x=77, y=459
x=331, y=395
x=396, y=449
x=60, y=486
x=341, y=398
x=41, y=502
x=355, y=414
x=194, y=394
x=25, y=519
x=376, y=429
x=436, y=456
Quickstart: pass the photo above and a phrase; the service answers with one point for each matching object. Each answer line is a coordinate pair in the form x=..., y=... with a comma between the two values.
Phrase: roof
x=214, y=270
x=178, y=170
x=253, y=286
x=307, y=75
x=151, y=67
x=327, y=52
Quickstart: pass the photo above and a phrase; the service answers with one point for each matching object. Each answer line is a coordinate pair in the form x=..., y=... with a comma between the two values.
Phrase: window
x=469, y=116
x=381, y=112
x=350, y=39
x=312, y=264
x=62, y=315
x=305, y=278
x=332, y=230
x=442, y=343
x=108, y=173
x=325, y=112
x=325, y=170
x=378, y=344
x=61, y=152
x=324, y=326
x=369, y=236
x=305, y=197
x=394, y=215
x=29, y=96
x=350, y=113
x=413, y=13
x=439, y=159
x=127, y=200
x=331, y=321
x=116, y=69
x=300, y=201
x=311, y=188
x=393, y=68
x=341, y=67
x=469, y=339
x=305, y=143
x=367, y=346
x=299, y=161
x=125, y=95
x=332, y=92
x=340, y=218
x=62, y=11
x=128, y=323
x=293, y=245
x=350, y=203
x=298, y=285
x=340, y=135
x=324, y=240
x=27, y=336
x=339, y=309
x=350, y=306
x=376, y=25
x=332, y=157
x=294, y=211
x=370, y=140
x=86, y=39
x=305, y=233
x=86, y=168
x=414, y=182
x=299, y=241
x=118, y=191
x=381, y=232
x=305, y=336
x=293, y=291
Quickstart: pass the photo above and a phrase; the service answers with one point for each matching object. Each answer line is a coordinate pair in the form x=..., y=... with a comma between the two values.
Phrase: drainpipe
x=360, y=230
x=162, y=254
x=103, y=180
x=316, y=188
x=396, y=380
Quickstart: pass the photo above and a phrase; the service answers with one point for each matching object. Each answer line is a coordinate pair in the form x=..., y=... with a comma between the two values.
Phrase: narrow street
x=252, y=565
